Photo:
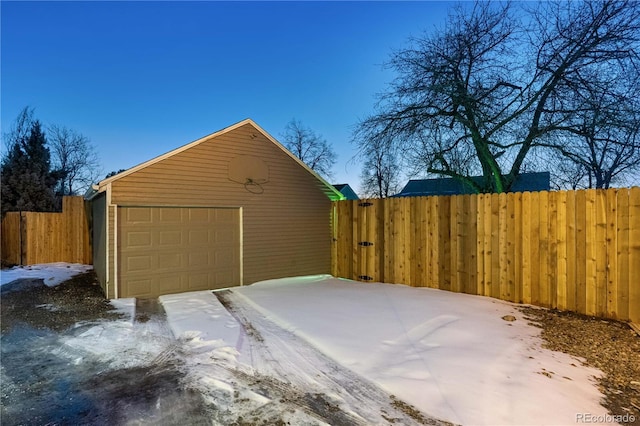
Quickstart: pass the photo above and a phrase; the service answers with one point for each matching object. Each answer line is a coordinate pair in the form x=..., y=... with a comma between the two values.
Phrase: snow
x=51, y=273
x=451, y=355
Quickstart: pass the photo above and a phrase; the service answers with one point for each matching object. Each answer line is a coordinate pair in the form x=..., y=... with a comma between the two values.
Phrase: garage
x=232, y=208
x=176, y=249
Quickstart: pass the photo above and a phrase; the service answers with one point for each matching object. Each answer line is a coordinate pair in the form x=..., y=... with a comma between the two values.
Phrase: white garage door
x=164, y=250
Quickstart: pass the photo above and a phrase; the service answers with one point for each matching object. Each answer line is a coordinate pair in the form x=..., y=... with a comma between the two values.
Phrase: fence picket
x=634, y=255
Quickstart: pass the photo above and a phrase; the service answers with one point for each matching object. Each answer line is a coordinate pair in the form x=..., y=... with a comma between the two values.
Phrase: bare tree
x=20, y=129
x=73, y=154
x=602, y=144
x=486, y=90
x=380, y=176
x=310, y=147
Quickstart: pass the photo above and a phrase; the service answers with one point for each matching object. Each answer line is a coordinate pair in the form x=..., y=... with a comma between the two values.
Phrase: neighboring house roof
x=347, y=191
x=329, y=190
x=449, y=186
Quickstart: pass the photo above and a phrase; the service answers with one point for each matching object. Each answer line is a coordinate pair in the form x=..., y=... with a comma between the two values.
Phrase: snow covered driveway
x=451, y=356
x=269, y=374
x=307, y=350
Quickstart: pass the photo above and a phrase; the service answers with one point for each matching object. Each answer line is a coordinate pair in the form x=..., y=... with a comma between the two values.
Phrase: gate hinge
x=365, y=243
x=365, y=277
x=365, y=204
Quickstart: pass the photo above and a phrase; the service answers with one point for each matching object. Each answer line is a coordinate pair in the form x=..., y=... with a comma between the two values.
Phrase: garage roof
x=331, y=192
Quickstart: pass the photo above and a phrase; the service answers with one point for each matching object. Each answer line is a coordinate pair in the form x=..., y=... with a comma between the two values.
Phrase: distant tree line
x=42, y=165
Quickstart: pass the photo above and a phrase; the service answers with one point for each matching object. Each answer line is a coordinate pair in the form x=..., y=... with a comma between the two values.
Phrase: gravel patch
x=610, y=346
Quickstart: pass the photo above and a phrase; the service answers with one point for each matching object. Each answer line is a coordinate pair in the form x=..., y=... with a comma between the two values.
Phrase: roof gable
x=328, y=189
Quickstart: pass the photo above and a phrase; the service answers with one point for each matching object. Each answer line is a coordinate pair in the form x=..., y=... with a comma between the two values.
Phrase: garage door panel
x=199, y=260
x=139, y=215
x=202, y=216
x=199, y=238
x=225, y=216
x=170, y=283
x=170, y=238
x=140, y=286
x=221, y=236
x=139, y=264
x=169, y=260
x=223, y=276
x=223, y=257
x=198, y=281
x=170, y=215
x=173, y=249
x=138, y=239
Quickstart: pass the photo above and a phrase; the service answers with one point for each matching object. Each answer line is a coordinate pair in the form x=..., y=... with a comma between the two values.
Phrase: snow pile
x=52, y=274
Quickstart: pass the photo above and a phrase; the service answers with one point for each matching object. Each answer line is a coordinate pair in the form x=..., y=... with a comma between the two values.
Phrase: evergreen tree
x=27, y=180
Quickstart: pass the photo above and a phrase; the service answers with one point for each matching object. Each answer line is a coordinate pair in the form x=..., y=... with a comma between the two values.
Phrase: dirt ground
x=55, y=308
x=45, y=382
x=610, y=346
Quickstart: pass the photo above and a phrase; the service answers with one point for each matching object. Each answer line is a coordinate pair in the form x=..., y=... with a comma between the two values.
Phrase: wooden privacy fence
x=29, y=237
x=571, y=250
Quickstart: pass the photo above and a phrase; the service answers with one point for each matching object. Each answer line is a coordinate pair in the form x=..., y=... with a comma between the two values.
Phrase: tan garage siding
x=286, y=229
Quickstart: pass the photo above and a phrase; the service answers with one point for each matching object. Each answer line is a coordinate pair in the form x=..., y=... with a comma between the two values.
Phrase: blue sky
x=142, y=78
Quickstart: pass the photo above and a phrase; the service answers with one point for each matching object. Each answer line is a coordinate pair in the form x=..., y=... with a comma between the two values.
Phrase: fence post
x=21, y=238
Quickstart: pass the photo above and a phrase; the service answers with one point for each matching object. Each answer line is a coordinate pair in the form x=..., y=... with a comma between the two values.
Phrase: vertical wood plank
x=480, y=251
x=334, y=239
x=453, y=244
x=518, y=247
x=552, y=274
x=561, y=271
x=456, y=243
x=573, y=276
x=591, y=236
x=581, y=252
x=634, y=255
x=444, y=238
x=397, y=227
x=495, y=236
x=623, y=255
x=373, y=270
x=611, y=253
x=406, y=250
x=544, y=298
x=388, y=240
x=415, y=259
x=357, y=266
x=526, y=248
x=600, y=253
x=434, y=254
x=535, y=248
x=487, y=240
x=511, y=246
x=471, y=247
x=406, y=240
x=422, y=212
